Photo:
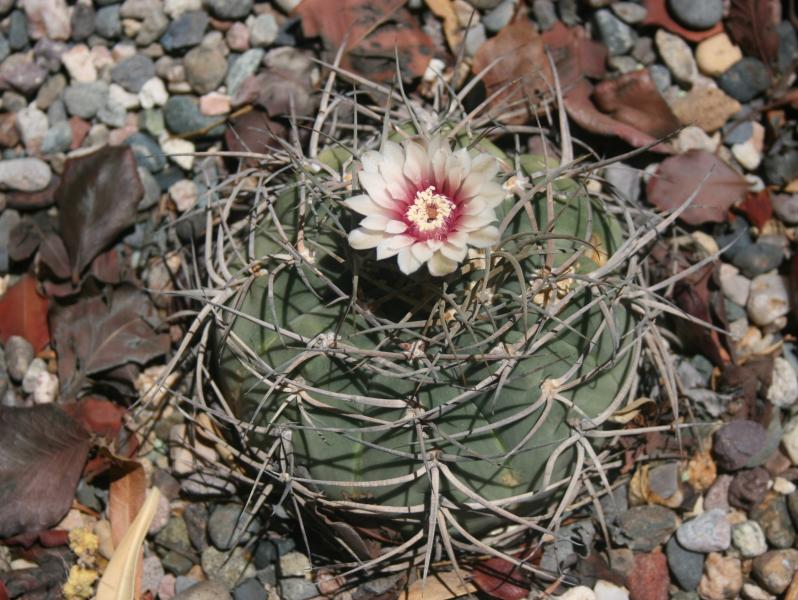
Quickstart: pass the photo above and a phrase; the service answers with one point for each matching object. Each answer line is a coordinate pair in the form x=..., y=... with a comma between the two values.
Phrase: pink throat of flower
x=430, y=214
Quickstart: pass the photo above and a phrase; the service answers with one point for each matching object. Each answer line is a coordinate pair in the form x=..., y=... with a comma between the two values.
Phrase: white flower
x=426, y=204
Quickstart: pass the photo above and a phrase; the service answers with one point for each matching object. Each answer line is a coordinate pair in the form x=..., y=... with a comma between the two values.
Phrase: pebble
x=185, y=31
x=661, y=76
x=58, y=138
x=263, y=31
x=763, y=256
x=147, y=152
x=697, y=15
x=708, y=532
x=132, y=73
x=18, y=31
x=40, y=383
x=294, y=564
x=112, y=114
x=497, y=18
x=119, y=95
x=9, y=218
x=237, y=37
x=775, y=569
x=227, y=567
x=84, y=100
x=205, y=69
x=152, y=27
x=644, y=528
x=686, y=566
x=769, y=298
x=785, y=206
x=695, y=138
x=616, y=35
x=579, y=592
x=182, y=115
x=181, y=152
x=783, y=391
x=545, y=14
x=226, y=521
x=214, y=104
x=295, y=588
x=204, y=590
x=24, y=174
x=108, y=23
x=48, y=18
x=745, y=80
x=18, y=355
x=153, y=93
x=230, y=9
x=244, y=66
x=736, y=442
x=749, y=487
x=32, y=124
x=648, y=578
x=79, y=64
x=736, y=133
x=605, y=590
x=722, y=578
x=734, y=286
x=677, y=55
x=629, y=12
x=749, y=539
x=151, y=574
x=175, y=8
x=773, y=516
x=250, y=589
x=790, y=440
x=715, y=55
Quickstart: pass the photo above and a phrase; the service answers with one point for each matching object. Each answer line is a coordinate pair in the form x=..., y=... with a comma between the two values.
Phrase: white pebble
x=184, y=194
x=179, y=152
x=769, y=298
x=40, y=383
x=153, y=93
x=734, y=286
x=783, y=390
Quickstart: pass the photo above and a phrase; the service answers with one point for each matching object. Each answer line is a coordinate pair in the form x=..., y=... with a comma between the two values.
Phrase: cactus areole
x=428, y=331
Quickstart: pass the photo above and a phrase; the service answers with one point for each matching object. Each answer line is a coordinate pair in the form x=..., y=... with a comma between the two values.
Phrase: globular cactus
x=423, y=334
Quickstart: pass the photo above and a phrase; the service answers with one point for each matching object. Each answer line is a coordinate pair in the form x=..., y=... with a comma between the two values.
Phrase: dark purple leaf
x=95, y=335
x=41, y=457
x=752, y=24
x=97, y=201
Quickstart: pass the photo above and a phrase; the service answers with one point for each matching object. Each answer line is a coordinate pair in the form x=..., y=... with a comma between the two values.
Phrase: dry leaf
x=375, y=32
x=119, y=580
x=752, y=25
x=499, y=578
x=23, y=312
x=521, y=77
x=125, y=498
x=716, y=185
x=451, y=24
x=441, y=586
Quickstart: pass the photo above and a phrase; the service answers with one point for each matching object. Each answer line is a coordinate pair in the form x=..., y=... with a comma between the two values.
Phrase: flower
x=426, y=204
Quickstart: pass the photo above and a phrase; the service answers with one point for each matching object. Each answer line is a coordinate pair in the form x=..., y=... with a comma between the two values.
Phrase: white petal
x=395, y=226
x=491, y=193
x=407, y=262
x=421, y=251
x=485, y=237
x=375, y=222
x=455, y=171
x=392, y=245
x=438, y=164
x=416, y=162
x=395, y=180
x=474, y=206
x=374, y=184
x=363, y=239
x=364, y=205
x=485, y=164
x=457, y=238
x=471, y=222
x=371, y=161
x=455, y=253
x=393, y=153
x=439, y=265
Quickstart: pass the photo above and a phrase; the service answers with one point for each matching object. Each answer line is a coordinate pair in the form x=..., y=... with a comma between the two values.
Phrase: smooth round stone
x=545, y=13
x=182, y=115
x=57, y=139
x=108, y=23
x=263, y=31
x=132, y=73
x=686, y=566
x=205, y=69
x=204, y=590
x=769, y=298
x=82, y=21
x=677, y=55
x=716, y=55
x=775, y=569
x=227, y=567
x=774, y=517
x=696, y=14
x=737, y=442
x=295, y=588
x=708, y=532
x=786, y=207
x=250, y=589
x=738, y=133
x=242, y=67
x=147, y=152
x=500, y=16
x=661, y=76
x=749, y=539
x=745, y=80
x=630, y=12
x=185, y=31
x=24, y=174
x=643, y=528
x=763, y=256
x=229, y=9
x=783, y=391
x=616, y=35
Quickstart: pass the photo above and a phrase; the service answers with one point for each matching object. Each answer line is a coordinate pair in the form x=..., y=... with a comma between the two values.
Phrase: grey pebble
x=686, y=566
x=8, y=220
x=204, y=590
x=708, y=532
x=107, y=22
x=295, y=588
x=250, y=589
x=263, y=31
x=152, y=27
x=745, y=80
x=84, y=100
x=773, y=516
x=58, y=138
x=544, y=12
x=182, y=115
x=643, y=528
x=661, y=76
x=749, y=539
x=112, y=114
x=227, y=567
x=229, y=9
x=205, y=69
x=147, y=151
x=82, y=21
x=629, y=12
x=24, y=174
x=737, y=133
x=495, y=20
x=693, y=14
x=132, y=73
x=616, y=35
x=242, y=67
x=19, y=355
x=226, y=525
x=786, y=207
x=18, y=30
x=185, y=31
x=736, y=442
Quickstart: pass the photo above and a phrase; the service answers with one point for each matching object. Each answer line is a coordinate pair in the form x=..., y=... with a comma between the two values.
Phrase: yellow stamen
x=429, y=210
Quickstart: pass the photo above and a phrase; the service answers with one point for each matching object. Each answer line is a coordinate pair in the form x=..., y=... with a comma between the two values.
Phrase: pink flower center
x=430, y=212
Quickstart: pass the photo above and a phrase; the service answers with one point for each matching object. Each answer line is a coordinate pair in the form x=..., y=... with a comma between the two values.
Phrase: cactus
x=440, y=400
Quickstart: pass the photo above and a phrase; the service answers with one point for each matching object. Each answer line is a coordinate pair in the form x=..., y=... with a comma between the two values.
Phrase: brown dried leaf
x=521, y=76
x=575, y=54
x=752, y=25
x=125, y=496
x=92, y=336
x=97, y=200
x=375, y=33
x=41, y=457
x=633, y=99
x=678, y=177
x=455, y=35
x=23, y=312
x=584, y=113
x=501, y=579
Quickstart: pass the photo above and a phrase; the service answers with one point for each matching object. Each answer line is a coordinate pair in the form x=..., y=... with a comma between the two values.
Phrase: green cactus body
x=485, y=418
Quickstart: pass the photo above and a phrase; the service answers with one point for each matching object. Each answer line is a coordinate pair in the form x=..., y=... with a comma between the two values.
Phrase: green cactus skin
x=473, y=437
